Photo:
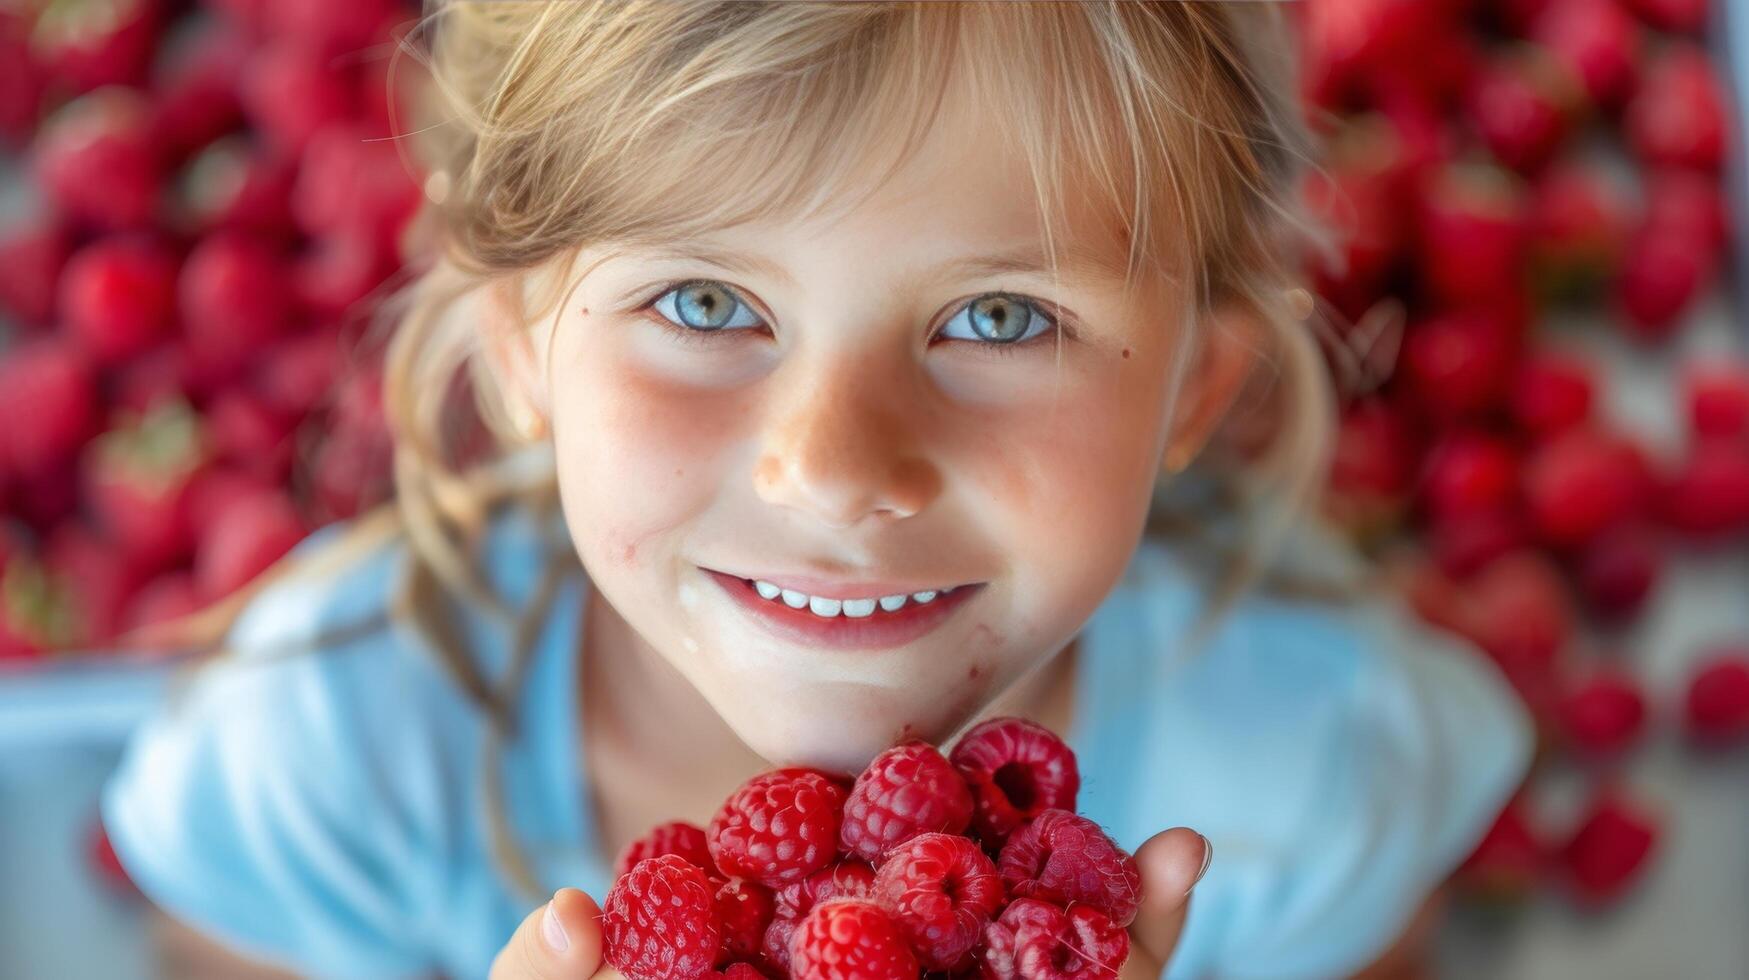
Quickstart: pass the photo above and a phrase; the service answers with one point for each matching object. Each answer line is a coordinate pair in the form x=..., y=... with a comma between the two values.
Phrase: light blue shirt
x=323, y=809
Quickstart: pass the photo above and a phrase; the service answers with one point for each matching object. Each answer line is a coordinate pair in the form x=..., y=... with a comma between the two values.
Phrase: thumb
x=561, y=940
x=1171, y=863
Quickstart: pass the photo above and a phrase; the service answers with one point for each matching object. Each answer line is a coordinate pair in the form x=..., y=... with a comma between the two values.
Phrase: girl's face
x=861, y=406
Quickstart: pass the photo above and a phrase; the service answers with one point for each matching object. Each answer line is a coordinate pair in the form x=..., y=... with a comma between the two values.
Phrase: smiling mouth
x=866, y=622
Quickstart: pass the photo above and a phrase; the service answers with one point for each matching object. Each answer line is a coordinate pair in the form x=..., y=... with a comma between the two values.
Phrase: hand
x=1171, y=862
x=568, y=947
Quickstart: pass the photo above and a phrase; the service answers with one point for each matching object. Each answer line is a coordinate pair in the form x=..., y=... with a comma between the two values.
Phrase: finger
x=1171, y=862
x=561, y=940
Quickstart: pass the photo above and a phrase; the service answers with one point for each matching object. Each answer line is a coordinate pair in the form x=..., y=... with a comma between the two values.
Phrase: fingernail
x=553, y=931
x=1208, y=855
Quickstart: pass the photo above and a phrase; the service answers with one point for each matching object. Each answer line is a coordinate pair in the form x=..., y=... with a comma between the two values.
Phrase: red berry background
x=1544, y=432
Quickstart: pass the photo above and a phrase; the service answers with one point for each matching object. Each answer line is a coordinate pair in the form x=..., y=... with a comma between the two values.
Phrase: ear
x=511, y=353
x=1225, y=360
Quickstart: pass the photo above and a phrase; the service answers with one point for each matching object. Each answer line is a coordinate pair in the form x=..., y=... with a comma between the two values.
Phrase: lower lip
x=874, y=632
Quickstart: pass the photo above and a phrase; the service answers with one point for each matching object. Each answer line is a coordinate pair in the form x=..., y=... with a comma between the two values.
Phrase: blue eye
x=704, y=305
x=1000, y=319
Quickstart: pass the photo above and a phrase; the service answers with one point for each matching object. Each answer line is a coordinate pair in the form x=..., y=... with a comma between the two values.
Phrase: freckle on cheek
x=973, y=671
x=1126, y=353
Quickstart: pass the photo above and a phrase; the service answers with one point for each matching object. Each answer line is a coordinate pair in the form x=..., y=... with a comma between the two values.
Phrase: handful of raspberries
x=970, y=864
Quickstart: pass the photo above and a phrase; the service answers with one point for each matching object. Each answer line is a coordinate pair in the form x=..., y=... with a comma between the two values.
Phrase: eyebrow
x=1076, y=262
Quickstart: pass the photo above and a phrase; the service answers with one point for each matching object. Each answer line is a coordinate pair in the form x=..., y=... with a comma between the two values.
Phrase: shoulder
x=297, y=795
x=1341, y=756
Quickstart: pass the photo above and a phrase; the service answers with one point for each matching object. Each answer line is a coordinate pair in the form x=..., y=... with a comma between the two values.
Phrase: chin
x=833, y=732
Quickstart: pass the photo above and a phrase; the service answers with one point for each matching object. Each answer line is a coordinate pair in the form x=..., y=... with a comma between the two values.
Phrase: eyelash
x=1061, y=325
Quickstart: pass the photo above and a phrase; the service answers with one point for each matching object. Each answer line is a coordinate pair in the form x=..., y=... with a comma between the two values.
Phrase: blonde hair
x=548, y=126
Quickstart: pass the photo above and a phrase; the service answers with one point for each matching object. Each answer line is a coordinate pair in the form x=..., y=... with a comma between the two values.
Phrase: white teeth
x=891, y=603
x=767, y=590
x=794, y=599
x=824, y=607
x=853, y=608
x=927, y=595
x=858, y=608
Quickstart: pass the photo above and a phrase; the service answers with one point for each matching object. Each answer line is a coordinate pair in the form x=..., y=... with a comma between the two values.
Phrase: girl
x=862, y=370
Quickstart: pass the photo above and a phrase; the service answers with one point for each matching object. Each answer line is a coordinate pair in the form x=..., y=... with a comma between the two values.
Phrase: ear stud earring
x=528, y=423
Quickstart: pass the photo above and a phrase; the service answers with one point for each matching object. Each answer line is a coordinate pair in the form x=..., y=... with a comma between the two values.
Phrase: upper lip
x=829, y=588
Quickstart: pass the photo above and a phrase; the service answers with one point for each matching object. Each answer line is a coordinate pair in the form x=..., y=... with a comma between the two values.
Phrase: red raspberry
x=1064, y=857
x=942, y=891
x=660, y=922
x=907, y=790
x=744, y=910
x=850, y=939
x=735, y=971
x=779, y=827
x=1015, y=768
x=678, y=837
x=1035, y=940
x=848, y=878
x=1716, y=710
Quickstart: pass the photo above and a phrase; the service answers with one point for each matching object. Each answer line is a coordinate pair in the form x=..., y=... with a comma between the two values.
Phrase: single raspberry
x=850, y=939
x=779, y=827
x=774, y=948
x=735, y=971
x=907, y=790
x=1034, y=940
x=942, y=891
x=660, y=921
x=1015, y=768
x=744, y=909
x=847, y=878
x=678, y=837
x=1064, y=857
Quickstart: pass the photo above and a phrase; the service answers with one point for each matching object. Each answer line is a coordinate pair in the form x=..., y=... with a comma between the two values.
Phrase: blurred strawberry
x=165, y=599
x=1617, y=570
x=1371, y=467
x=299, y=374
x=1583, y=483
x=1466, y=543
x=332, y=27
x=337, y=271
x=1604, y=714
x=137, y=478
x=1467, y=472
x=1511, y=859
x=1473, y=230
x=149, y=379
x=1610, y=849
x=1359, y=197
x=248, y=16
x=242, y=540
x=101, y=578
x=49, y=399
x=1520, y=615
x=1665, y=272
x=46, y=497
x=1522, y=104
x=1346, y=40
x=1457, y=365
x=1688, y=204
x=1680, y=115
x=32, y=254
x=97, y=159
x=1682, y=16
x=22, y=81
x=1716, y=709
x=235, y=299
x=215, y=489
x=234, y=184
x=251, y=434
x=93, y=43
x=350, y=183
x=1552, y=392
x=1708, y=496
x=1717, y=393
x=291, y=93
x=1597, y=40
x=352, y=473
x=36, y=610
x=1579, y=231
x=118, y=296
x=195, y=83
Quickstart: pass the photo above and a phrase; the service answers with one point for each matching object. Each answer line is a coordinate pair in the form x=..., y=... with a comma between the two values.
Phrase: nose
x=840, y=445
